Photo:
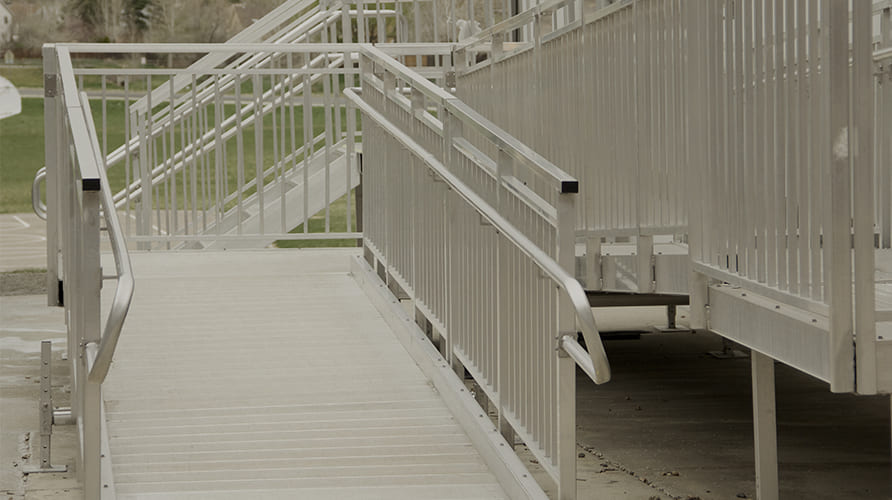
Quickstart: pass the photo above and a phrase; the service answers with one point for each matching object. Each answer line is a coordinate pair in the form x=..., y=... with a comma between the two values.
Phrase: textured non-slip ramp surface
x=269, y=374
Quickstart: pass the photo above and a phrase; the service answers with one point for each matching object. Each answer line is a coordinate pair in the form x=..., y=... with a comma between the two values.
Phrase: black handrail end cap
x=569, y=186
x=90, y=184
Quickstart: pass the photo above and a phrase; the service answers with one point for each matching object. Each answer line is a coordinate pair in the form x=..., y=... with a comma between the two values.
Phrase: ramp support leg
x=764, y=426
x=671, y=317
x=699, y=300
x=645, y=264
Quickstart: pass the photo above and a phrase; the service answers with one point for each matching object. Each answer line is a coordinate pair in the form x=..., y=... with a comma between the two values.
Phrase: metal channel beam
x=620, y=299
x=792, y=336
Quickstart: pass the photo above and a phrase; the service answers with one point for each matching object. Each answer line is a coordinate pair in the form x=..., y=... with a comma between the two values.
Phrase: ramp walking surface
x=269, y=374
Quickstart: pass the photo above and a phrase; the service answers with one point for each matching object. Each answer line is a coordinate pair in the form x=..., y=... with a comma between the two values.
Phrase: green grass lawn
x=21, y=156
x=29, y=72
x=24, y=76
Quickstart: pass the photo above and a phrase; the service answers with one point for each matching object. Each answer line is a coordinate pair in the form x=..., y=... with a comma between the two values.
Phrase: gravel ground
x=23, y=283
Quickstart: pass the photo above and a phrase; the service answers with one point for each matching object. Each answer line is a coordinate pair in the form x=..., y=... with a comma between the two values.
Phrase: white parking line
x=16, y=217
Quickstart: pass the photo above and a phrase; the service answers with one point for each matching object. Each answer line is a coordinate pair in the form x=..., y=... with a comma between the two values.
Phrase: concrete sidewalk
x=24, y=322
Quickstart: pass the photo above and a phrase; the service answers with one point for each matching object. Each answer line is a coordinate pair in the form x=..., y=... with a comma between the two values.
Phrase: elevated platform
x=270, y=374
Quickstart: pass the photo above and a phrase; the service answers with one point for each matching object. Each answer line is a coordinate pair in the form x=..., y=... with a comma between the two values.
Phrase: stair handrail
x=252, y=60
x=159, y=173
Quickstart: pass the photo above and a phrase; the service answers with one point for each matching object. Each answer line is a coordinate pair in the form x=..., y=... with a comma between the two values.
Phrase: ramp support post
x=593, y=263
x=671, y=312
x=764, y=426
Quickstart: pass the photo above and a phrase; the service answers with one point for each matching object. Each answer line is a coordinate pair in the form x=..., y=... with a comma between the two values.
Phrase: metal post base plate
x=729, y=354
x=34, y=469
x=664, y=329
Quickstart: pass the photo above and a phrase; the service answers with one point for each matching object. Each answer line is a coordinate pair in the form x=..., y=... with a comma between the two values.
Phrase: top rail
x=196, y=48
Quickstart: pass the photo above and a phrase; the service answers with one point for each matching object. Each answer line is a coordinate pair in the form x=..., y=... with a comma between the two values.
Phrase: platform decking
x=270, y=374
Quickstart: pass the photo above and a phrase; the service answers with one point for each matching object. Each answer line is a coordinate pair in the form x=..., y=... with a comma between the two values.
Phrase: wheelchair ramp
x=271, y=375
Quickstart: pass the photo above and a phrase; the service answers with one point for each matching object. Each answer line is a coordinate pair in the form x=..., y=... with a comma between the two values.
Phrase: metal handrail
x=37, y=204
x=126, y=284
x=160, y=172
x=595, y=363
x=205, y=62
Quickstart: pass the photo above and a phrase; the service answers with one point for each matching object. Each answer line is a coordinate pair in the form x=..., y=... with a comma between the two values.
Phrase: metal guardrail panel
x=460, y=236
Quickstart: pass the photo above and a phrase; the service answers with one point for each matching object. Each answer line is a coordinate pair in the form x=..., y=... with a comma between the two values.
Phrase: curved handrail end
x=37, y=204
x=598, y=372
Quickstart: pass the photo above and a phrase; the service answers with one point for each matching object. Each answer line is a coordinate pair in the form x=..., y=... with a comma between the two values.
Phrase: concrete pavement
x=24, y=322
x=22, y=242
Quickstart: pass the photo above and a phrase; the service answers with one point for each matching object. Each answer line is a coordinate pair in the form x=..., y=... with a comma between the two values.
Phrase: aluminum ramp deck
x=271, y=375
